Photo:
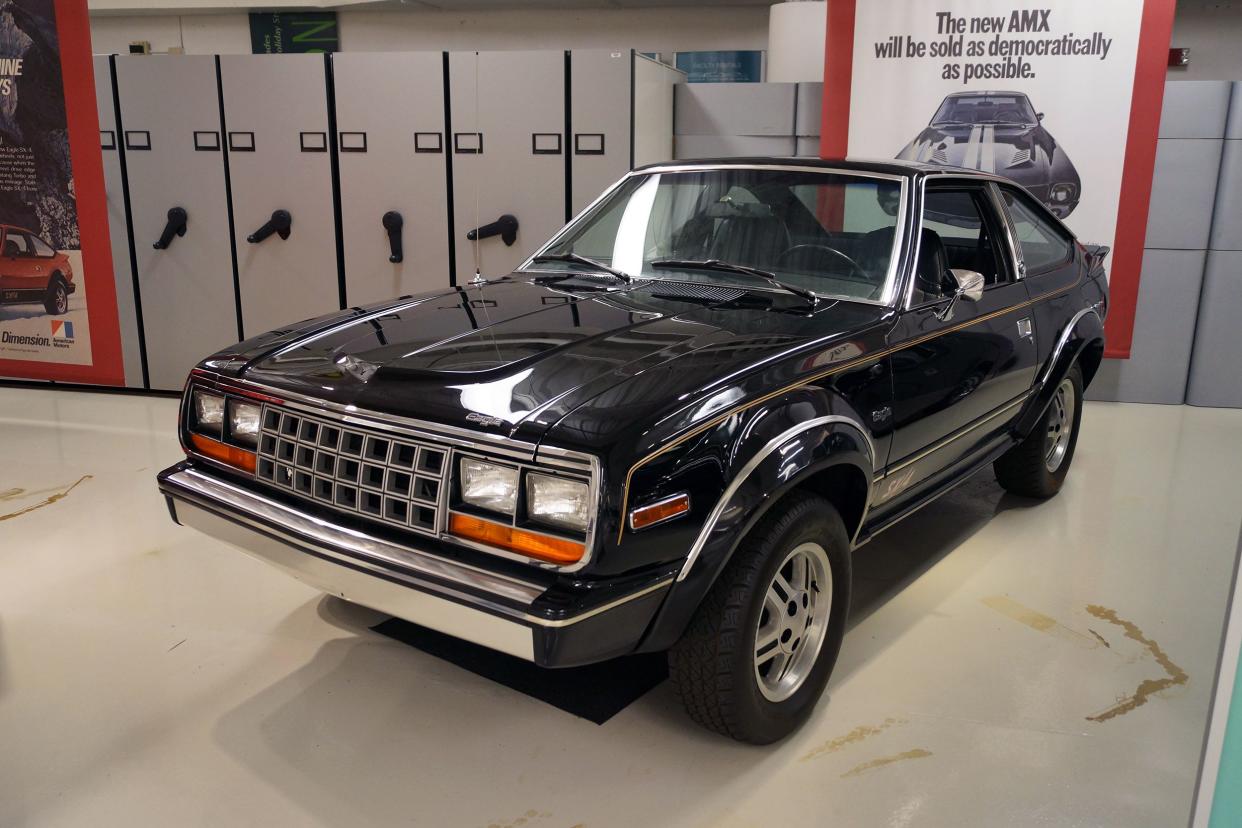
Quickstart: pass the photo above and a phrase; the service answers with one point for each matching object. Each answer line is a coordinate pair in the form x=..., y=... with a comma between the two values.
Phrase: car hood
x=994, y=148
x=514, y=356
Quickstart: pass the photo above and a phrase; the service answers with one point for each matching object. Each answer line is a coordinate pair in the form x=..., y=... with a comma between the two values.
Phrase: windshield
x=985, y=109
x=830, y=233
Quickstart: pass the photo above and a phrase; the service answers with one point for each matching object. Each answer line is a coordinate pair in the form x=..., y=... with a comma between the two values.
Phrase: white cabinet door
x=170, y=119
x=600, y=110
x=508, y=145
x=280, y=160
x=118, y=225
x=390, y=121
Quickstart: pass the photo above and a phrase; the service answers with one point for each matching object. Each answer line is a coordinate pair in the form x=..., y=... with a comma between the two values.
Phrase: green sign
x=288, y=32
x=721, y=67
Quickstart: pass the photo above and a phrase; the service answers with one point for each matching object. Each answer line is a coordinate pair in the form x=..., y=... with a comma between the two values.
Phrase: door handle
x=392, y=222
x=175, y=226
x=279, y=223
x=1025, y=328
x=506, y=227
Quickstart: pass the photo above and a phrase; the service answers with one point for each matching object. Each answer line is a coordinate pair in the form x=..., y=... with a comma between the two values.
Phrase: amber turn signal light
x=229, y=455
x=659, y=512
x=531, y=544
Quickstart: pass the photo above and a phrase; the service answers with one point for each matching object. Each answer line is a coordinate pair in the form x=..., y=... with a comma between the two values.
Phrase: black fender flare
x=1082, y=337
x=828, y=445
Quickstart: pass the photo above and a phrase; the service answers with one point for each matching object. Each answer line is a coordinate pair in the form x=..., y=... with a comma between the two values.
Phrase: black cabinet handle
x=279, y=223
x=506, y=227
x=175, y=226
x=392, y=222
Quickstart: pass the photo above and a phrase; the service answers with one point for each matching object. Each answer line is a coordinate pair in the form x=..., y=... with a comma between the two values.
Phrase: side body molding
x=783, y=462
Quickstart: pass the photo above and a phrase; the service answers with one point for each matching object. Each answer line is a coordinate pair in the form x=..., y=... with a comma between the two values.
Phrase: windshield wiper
x=584, y=260
x=729, y=267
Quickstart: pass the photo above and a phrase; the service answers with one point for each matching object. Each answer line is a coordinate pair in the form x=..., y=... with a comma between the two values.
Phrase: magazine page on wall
x=57, y=305
x=1044, y=95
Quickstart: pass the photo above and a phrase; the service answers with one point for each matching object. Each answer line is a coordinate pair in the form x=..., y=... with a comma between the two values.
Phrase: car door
x=1049, y=267
x=21, y=271
x=959, y=367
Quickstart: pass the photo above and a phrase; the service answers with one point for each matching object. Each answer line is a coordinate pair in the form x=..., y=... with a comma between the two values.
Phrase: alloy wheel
x=791, y=627
x=1060, y=425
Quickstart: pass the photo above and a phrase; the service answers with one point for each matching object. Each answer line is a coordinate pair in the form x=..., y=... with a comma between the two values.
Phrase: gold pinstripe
x=836, y=369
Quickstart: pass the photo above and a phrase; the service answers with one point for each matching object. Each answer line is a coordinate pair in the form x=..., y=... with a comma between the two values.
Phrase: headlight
x=1062, y=193
x=557, y=502
x=489, y=486
x=244, y=422
x=208, y=413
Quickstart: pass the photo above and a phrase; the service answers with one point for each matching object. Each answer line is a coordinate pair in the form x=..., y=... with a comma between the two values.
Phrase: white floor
x=150, y=676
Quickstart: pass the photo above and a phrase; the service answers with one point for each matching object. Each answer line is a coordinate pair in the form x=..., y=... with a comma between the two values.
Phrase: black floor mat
x=596, y=692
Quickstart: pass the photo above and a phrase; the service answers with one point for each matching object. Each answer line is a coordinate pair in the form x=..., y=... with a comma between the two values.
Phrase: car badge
x=483, y=419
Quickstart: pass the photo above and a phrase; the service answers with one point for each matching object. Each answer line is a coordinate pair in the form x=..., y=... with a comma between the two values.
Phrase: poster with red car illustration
x=57, y=300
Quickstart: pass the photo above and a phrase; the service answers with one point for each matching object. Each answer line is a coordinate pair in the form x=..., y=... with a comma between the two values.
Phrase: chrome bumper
x=468, y=603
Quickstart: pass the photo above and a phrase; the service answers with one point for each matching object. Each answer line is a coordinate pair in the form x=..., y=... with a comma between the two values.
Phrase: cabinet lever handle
x=506, y=227
x=279, y=223
x=175, y=226
x=392, y=222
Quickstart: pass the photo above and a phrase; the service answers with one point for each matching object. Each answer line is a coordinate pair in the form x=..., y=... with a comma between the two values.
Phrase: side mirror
x=969, y=283
x=1039, y=116
x=966, y=284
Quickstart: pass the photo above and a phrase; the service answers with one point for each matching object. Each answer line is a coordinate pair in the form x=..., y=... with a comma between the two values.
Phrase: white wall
x=1212, y=30
x=664, y=29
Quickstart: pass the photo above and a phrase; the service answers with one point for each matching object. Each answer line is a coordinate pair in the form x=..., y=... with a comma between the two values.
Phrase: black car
x=670, y=429
x=1000, y=132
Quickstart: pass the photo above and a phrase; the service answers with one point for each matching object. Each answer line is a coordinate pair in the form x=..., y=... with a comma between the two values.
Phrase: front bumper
x=500, y=611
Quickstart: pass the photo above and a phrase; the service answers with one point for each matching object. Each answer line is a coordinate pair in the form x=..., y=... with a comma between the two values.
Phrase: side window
x=41, y=248
x=1044, y=245
x=17, y=246
x=955, y=234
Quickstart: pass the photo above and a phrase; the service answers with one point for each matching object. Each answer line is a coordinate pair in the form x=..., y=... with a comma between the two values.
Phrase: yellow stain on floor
x=884, y=761
x=1036, y=620
x=853, y=737
x=13, y=494
x=1176, y=675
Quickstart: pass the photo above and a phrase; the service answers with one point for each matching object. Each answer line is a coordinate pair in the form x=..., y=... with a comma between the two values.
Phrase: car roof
x=886, y=166
x=983, y=93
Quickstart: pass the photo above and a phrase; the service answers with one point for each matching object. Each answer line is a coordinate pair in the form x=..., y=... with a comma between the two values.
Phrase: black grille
x=379, y=476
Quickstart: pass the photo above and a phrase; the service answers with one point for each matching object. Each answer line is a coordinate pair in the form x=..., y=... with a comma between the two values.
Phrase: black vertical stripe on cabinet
x=633, y=59
x=448, y=172
x=334, y=160
x=228, y=201
x=129, y=224
x=569, y=156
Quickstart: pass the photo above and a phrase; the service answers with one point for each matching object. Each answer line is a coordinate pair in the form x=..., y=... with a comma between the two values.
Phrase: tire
x=1037, y=466
x=57, y=300
x=714, y=666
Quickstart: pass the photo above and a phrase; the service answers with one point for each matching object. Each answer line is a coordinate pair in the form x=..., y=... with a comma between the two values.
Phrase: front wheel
x=758, y=653
x=57, y=299
x=1037, y=466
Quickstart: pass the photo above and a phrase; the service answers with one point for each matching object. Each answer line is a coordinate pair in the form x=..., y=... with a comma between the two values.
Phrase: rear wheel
x=57, y=300
x=758, y=653
x=1037, y=466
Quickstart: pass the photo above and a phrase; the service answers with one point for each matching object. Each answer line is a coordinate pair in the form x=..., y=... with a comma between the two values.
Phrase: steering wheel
x=855, y=267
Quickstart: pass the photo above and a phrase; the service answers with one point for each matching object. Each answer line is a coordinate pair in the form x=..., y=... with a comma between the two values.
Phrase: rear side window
x=1044, y=245
x=41, y=247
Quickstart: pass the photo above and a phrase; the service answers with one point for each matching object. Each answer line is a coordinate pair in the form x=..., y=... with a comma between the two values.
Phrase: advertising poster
x=1044, y=94
x=57, y=306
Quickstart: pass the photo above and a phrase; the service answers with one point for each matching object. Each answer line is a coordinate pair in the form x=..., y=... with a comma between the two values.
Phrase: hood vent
x=687, y=290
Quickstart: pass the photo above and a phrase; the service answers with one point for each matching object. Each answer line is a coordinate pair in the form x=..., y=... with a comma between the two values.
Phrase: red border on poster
x=1147, y=99
x=77, y=69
